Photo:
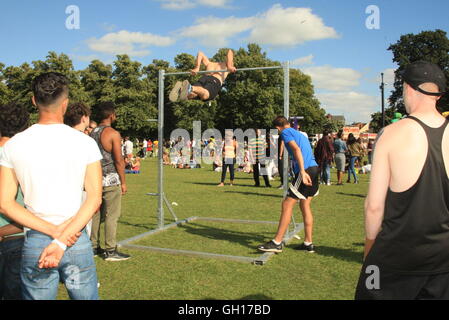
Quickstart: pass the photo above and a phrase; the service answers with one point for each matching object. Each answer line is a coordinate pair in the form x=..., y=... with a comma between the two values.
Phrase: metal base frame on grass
x=163, y=199
x=260, y=260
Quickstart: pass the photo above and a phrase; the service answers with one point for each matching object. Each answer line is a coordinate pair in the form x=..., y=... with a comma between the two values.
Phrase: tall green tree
x=5, y=92
x=133, y=97
x=432, y=46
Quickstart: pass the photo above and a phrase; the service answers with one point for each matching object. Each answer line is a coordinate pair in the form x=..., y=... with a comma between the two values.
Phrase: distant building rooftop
x=336, y=118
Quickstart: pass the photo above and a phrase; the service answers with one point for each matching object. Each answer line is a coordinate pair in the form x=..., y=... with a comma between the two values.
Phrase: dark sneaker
x=98, y=252
x=270, y=247
x=115, y=256
x=184, y=90
x=174, y=93
x=310, y=248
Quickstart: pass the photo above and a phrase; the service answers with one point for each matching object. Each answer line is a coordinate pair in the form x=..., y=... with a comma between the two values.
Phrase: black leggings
x=228, y=163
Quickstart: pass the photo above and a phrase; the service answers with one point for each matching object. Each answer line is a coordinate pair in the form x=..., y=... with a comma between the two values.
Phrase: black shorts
x=299, y=191
x=393, y=286
x=211, y=84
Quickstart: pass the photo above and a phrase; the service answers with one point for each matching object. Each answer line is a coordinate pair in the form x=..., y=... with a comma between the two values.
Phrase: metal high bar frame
x=261, y=260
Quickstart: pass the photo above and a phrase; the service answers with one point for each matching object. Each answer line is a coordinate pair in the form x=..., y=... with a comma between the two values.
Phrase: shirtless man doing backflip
x=209, y=85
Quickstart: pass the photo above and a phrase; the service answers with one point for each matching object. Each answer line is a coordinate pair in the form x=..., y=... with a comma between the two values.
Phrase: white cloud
x=132, y=43
x=355, y=106
x=303, y=61
x=85, y=58
x=189, y=4
x=215, y=32
x=277, y=27
x=333, y=79
x=289, y=27
x=214, y=3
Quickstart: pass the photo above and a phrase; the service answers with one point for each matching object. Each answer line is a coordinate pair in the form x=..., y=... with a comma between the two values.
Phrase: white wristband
x=60, y=244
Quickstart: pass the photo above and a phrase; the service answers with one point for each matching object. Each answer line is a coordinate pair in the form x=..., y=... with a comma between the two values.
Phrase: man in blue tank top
x=407, y=208
x=302, y=189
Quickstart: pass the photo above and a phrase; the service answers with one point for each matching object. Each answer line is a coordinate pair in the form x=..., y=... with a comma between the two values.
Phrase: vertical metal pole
x=382, y=87
x=161, y=149
x=286, y=115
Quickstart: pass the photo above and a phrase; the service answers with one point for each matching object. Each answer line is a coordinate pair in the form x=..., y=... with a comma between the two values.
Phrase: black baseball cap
x=420, y=72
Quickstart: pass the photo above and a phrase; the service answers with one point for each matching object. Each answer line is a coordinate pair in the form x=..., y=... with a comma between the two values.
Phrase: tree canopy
x=432, y=46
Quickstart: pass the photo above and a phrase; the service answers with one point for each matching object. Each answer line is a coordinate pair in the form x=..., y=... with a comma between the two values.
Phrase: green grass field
x=331, y=273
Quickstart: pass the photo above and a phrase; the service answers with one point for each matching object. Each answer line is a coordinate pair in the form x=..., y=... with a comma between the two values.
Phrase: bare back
x=406, y=147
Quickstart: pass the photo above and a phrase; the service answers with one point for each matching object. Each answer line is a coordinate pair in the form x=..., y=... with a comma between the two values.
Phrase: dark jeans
x=351, y=169
x=281, y=169
x=256, y=174
x=228, y=163
x=10, y=260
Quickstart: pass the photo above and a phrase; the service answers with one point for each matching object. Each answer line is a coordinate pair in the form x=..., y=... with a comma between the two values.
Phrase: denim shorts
x=76, y=270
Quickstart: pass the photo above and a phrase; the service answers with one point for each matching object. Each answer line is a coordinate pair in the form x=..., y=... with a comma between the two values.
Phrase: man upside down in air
x=209, y=85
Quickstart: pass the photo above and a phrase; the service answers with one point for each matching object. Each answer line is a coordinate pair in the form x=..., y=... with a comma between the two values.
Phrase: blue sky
x=327, y=39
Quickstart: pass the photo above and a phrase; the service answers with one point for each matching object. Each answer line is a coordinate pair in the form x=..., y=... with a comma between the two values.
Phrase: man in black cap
x=407, y=207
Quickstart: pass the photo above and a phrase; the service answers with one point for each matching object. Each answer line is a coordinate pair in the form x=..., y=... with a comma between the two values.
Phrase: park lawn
x=331, y=273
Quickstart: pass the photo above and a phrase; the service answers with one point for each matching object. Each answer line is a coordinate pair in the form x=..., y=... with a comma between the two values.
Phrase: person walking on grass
x=356, y=151
x=257, y=149
x=340, y=150
x=229, y=157
x=52, y=185
x=324, y=154
x=114, y=183
x=303, y=189
x=407, y=210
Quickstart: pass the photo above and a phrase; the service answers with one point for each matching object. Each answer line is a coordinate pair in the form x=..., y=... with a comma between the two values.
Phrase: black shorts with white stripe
x=299, y=191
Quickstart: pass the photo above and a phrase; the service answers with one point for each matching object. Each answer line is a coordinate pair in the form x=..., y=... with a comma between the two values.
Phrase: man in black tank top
x=114, y=183
x=407, y=207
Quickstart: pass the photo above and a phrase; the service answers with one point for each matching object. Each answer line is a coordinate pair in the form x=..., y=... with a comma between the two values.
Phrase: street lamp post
x=382, y=87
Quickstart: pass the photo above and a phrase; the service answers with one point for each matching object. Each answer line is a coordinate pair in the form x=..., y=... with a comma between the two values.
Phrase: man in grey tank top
x=406, y=210
x=114, y=184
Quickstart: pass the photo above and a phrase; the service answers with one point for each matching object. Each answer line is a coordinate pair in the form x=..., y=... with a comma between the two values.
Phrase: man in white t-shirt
x=144, y=147
x=128, y=148
x=52, y=185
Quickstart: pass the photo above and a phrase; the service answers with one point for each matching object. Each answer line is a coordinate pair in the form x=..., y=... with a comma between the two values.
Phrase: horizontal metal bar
x=191, y=253
x=236, y=220
x=215, y=71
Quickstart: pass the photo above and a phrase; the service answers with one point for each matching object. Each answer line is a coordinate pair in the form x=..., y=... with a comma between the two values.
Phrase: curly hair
x=48, y=87
x=14, y=118
x=74, y=113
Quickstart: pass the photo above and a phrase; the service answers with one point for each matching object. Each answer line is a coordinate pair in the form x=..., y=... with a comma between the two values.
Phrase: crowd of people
x=347, y=154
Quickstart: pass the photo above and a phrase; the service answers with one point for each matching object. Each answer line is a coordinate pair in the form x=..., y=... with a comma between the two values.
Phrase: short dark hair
x=14, y=118
x=48, y=87
x=280, y=121
x=103, y=110
x=74, y=113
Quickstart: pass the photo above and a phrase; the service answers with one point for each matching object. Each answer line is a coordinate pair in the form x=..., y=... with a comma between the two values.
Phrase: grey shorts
x=340, y=161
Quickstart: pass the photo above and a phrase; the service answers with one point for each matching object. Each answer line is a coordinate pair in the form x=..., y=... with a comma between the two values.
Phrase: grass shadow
x=256, y=194
x=341, y=254
x=246, y=239
x=352, y=194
